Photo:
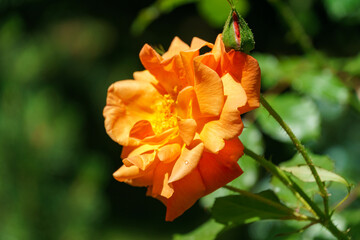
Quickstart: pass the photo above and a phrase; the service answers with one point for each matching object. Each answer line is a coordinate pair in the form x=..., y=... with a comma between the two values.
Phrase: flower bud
x=236, y=34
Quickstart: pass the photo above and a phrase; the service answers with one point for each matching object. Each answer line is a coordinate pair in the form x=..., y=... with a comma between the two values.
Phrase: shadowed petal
x=229, y=125
x=186, y=192
x=209, y=90
x=184, y=100
x=219, y=169
x=161, y=185
x=245, y=70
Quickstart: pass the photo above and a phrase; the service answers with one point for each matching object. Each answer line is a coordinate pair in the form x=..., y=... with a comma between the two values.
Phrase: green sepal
x=246, y=43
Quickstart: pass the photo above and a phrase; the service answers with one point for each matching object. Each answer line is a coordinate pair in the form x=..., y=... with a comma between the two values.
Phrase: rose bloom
x=179, y=120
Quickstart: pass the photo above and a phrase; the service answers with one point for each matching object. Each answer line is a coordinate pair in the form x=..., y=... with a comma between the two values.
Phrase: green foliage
x=216, y=12
x=304, y=174
x=209, y=230
x=299, y=113
x=245, y=209
x=348, y=10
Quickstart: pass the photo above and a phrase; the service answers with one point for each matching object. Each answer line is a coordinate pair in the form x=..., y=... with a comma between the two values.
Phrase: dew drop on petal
x=186, y=162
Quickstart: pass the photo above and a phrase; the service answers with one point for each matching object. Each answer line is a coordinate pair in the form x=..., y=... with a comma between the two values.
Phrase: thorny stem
x=302, y=151
x=299, y=193
x=277, y=172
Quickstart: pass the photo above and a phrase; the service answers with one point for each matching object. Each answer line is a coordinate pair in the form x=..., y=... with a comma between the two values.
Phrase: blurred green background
x=57, y=59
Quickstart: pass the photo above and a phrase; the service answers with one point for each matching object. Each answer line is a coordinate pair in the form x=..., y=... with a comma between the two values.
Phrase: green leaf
x=208, y=231
x=215, y=12
x=304, y=174
x=310, y=187
x=319, y=160
x=241, y=209
x=322, y=85
x=299, y=113
x=343, y=10
x=271, y=72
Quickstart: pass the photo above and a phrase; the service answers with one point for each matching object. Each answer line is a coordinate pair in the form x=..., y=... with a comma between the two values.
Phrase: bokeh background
x=57, y=59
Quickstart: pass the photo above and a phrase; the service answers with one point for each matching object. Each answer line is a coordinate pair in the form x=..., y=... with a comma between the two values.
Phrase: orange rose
x=179, y=120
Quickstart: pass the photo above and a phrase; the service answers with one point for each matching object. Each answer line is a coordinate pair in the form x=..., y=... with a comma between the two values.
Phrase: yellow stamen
x=165, y=117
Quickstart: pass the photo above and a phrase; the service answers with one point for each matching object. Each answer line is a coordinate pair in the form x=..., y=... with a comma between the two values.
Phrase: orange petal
x=187, y=130
x=236, y=96
x=187, y=161
x=218, y=49
x=161, y=185
x=208, y=60
x=145, y=76
x=141, y=129
x=161, y=138
x=188, y=66
x=245, y=70
x=183, y=102
x=165, y=71
x=142, y=181
x=176, y=46
x=219, y=169
x=229, y=125
x=169, y=152
x=134, y=151
x=209, y=90
x=124, y=173
x=141, y=161
x=198, y=43
x=127, y=103
x=186, y=192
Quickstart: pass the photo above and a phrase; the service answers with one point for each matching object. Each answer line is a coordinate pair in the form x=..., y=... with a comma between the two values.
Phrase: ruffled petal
x=145, y=76
x=209, y=90
x=186, y=192
x=141, y=161
x=141, y=129
x=219, y=169
x=187, y=130
x=184, y=99
x=229, y=125
x=176, y=46
x=161, y=185
x=245, y=70
x=197, y=43
x=124, y=173
x=142, y=181
x=168, y=72
x=127, y=103
x=187, y=161
x=169, y=152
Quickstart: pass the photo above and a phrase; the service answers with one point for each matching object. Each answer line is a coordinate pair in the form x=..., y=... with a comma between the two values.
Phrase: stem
x=299, y=193
x=277, y=172
x=302, y=151
x=336, y=232
x=276, y=205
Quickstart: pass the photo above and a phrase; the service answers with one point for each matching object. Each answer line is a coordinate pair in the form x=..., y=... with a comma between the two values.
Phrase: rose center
x=165, y=116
